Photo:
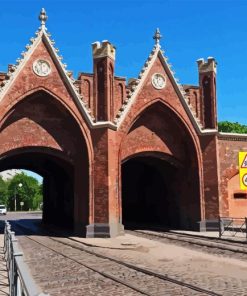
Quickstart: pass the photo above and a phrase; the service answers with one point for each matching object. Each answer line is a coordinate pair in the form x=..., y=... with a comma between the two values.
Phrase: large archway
x=58, y=189
x=41, y=134
x=149, y=192
x=160, y=172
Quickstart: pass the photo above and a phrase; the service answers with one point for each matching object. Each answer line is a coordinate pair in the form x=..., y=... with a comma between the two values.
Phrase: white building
x=9, y=174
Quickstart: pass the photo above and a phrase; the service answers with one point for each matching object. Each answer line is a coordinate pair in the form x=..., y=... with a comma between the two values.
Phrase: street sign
x=21, y=203
x=244, y=179
x=242, y=162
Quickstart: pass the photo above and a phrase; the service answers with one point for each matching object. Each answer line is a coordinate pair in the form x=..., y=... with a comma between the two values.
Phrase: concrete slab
x=129, y=241
x=228, y=235
x=126, y=241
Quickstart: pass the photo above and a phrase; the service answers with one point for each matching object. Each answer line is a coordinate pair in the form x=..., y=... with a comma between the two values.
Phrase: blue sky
x=32, y=174
x=190, y=29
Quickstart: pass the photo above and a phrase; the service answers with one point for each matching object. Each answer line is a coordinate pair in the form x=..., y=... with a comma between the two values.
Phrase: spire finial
x=157, y=36
x=43, y=18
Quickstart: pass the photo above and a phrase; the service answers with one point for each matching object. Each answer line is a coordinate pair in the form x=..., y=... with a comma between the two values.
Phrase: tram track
x=208, y=245
x=141, y=280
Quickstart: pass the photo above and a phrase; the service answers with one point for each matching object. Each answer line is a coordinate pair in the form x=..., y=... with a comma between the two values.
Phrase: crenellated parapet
x=103, y=49
x=210, y=65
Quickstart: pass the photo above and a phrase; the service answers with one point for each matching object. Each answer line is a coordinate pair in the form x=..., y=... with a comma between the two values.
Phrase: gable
x=25, y=80
x=21, y=79
x=143, y=92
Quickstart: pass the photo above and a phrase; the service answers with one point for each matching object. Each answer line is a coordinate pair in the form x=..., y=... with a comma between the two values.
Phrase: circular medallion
x=41, y=68
x=158, y=81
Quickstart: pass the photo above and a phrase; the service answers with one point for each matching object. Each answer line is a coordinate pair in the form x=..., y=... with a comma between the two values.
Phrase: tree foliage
x=29, y=192
x=232, y=127
x=3, y=191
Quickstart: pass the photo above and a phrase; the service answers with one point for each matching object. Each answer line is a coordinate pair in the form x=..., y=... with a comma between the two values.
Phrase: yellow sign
x=242, y=163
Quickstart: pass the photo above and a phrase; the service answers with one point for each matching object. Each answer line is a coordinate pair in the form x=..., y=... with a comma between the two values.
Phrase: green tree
x=3, y=191
x=232, y=127
x=30, y=192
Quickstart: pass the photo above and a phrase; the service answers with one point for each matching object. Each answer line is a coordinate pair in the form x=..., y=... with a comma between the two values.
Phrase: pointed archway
x=160, y=171
x=149, y=189
x=41, y=134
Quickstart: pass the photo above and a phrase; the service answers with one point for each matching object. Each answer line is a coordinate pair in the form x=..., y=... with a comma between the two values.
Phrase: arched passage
x=149, y=191
x=58, y=190
x=160, y=172
x=40, y=134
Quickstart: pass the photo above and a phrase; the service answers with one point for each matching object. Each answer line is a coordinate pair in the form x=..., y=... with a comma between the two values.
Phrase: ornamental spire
x=157, y=36
x=43, y=18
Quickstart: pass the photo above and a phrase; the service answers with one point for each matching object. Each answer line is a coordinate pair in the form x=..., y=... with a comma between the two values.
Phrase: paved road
x=220, y=274
x=21, y=215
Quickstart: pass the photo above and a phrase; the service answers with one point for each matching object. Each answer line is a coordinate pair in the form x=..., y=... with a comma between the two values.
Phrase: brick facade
x=112, y=153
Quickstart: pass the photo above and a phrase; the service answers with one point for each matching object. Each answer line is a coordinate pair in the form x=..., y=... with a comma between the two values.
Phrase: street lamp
x=19, y=185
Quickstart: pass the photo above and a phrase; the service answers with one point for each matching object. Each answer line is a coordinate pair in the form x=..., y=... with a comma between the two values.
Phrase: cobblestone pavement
x=225, y=276
x=4, y=282
x=59, y=276
x=216, y=272
x=210, y=250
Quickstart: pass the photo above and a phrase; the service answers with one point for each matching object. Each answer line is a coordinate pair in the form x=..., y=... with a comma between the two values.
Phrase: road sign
x=242, y=162
x=22, y=203
x=244, y=179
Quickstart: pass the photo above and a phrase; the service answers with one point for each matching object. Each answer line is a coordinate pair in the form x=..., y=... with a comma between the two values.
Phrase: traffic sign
x=244, y=179
x=242, y=162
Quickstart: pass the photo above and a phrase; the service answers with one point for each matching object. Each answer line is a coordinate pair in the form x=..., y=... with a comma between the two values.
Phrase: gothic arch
x=158, y=129
x=84, y=129
x=38, y=124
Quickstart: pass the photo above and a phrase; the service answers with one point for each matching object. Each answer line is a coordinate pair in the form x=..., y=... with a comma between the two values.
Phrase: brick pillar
x=103, y=61
x=105, y=218
x=81, y=193
x=207, y=83
x=209, y=146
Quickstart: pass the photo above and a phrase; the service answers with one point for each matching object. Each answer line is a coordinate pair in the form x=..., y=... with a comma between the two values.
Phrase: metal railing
x=233, y=227
x=20, y=281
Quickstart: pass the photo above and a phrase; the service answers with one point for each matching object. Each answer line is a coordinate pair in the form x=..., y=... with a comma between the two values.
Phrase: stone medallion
x=41, y=68
x=158, y=81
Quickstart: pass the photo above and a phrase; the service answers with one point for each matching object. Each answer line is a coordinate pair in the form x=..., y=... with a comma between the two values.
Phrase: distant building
x=9, y=174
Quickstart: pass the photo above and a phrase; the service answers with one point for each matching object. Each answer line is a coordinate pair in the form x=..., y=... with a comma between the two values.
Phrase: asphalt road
x=21, y=215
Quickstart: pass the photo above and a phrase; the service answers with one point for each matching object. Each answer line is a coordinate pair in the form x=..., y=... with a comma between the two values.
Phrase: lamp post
x=19, y=185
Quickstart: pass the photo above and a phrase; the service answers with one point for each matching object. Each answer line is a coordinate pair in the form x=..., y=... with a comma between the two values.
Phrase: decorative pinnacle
x=43, y=17
x=157, y=36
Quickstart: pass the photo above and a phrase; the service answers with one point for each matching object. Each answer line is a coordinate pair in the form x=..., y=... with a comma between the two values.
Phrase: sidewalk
x=227, y=235
x=129, y=241
x=4, y=282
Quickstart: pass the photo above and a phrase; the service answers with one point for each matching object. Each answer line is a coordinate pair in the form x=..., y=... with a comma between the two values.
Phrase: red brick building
x=147, y=151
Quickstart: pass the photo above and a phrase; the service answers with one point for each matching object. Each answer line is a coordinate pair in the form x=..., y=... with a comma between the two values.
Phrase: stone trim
x=232, y=137
x=104, y=230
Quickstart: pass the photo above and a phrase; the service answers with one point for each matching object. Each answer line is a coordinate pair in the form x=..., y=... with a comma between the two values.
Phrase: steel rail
x=131, y=266
x=195, y=240
x=140, y=269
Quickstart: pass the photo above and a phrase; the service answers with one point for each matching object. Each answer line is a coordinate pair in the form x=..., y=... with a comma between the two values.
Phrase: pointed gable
x=142, y=88
x=23, y=78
